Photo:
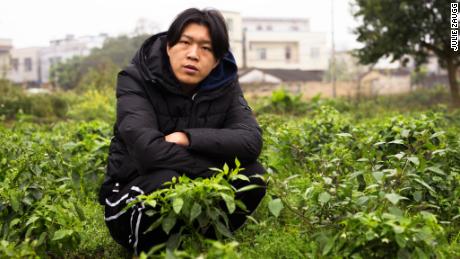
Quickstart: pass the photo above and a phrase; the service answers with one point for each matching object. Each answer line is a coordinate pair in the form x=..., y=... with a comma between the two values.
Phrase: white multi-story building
x=61, y=50
x=276, y=43
x=25, y=66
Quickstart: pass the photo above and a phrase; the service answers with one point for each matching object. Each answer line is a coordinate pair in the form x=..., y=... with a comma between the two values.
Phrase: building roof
x=282, y=75
x=266, y=19
x=289, y=75
x=5, y=44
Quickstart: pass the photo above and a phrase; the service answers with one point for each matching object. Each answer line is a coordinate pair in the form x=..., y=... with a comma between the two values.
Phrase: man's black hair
x=210, y=18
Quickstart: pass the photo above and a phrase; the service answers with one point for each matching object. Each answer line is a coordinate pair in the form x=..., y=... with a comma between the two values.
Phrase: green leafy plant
x=197, y=206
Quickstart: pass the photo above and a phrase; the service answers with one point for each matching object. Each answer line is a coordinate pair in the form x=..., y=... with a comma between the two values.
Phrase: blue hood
x=221, y=75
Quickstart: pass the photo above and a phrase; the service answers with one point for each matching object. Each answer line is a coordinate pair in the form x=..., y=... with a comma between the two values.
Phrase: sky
x=30, y=23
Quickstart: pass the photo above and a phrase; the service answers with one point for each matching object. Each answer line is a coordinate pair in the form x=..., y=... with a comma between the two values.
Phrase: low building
x=5, y=48
x=25, y=66
x=256, y=76
x=264, y=81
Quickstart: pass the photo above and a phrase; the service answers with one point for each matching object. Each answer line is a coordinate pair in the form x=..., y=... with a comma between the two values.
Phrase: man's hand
x=179, y=138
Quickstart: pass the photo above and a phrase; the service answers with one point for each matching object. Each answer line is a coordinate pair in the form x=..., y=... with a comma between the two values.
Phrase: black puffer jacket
x=150, y=105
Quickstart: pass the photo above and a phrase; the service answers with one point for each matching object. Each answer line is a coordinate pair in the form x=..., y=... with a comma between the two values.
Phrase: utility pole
x=334, y=92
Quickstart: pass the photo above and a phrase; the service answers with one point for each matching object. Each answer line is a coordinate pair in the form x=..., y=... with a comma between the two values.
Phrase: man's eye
x=184, y=42
x=207, y=48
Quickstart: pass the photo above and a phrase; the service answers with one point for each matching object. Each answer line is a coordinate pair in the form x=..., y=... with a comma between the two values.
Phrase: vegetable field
x=344, y=181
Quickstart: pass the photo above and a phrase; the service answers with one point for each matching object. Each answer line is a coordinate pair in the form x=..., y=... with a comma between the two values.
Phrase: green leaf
x=154, y=225
x=436, y=134
x=241, y=177
x=222, y=229
x=405, y=133
x=397, y=229
x=177, y=205
x=401, y=240
x=169, y=222
x=394, y=197
x=324, y=198
x=417, y=196
x=424, y=184
x=378, y=175
x=328, y=247
x=248, y=188
x=226, y=168
x=14, y=199
x=229, y=201
x=344, y=134
x=32, y=220
x=237, y=162
x=396, y=211
x=80, y=213
x=62, y=233
x=414, y=160
x=397, y=141
x=379, y=143
x=151, y=203
x=195, y=211
x=400, y=155
x=275, y=206
x=14, y=222
x=173, y=241
x=436, y=170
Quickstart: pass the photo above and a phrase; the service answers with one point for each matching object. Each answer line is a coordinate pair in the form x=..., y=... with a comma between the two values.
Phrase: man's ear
x=215, y=64
x=168, y=49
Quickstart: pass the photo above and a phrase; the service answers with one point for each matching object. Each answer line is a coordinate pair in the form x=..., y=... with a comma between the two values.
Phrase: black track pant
x=127, y=227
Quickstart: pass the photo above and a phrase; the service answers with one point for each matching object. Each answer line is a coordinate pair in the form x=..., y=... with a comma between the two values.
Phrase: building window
x=314, y=52
x=28, y=64
x=262, y=54
x=288, y=54
x=294, y=28
x=269, y=28
x=229, y=24
x=15, y=64
x=259, y=27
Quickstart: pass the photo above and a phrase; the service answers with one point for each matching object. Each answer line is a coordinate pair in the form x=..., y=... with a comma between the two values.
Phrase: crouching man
x=180, y=110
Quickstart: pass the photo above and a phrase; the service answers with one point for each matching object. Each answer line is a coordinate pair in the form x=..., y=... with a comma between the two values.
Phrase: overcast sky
x=35, y=23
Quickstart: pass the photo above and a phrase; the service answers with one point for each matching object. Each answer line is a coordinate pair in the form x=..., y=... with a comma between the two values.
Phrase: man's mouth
x=190, y=68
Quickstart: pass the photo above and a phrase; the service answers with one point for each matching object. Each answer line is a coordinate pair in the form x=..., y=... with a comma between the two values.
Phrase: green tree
x=66, y=75
x=408, y=28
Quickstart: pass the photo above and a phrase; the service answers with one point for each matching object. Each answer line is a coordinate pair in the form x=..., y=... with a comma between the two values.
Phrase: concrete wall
x=379, y=86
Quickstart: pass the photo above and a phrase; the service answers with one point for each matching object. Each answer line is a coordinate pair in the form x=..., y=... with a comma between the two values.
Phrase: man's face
x=192, y=58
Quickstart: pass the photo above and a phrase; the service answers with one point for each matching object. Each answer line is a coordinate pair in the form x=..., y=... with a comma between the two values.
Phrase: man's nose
x=193, y=52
